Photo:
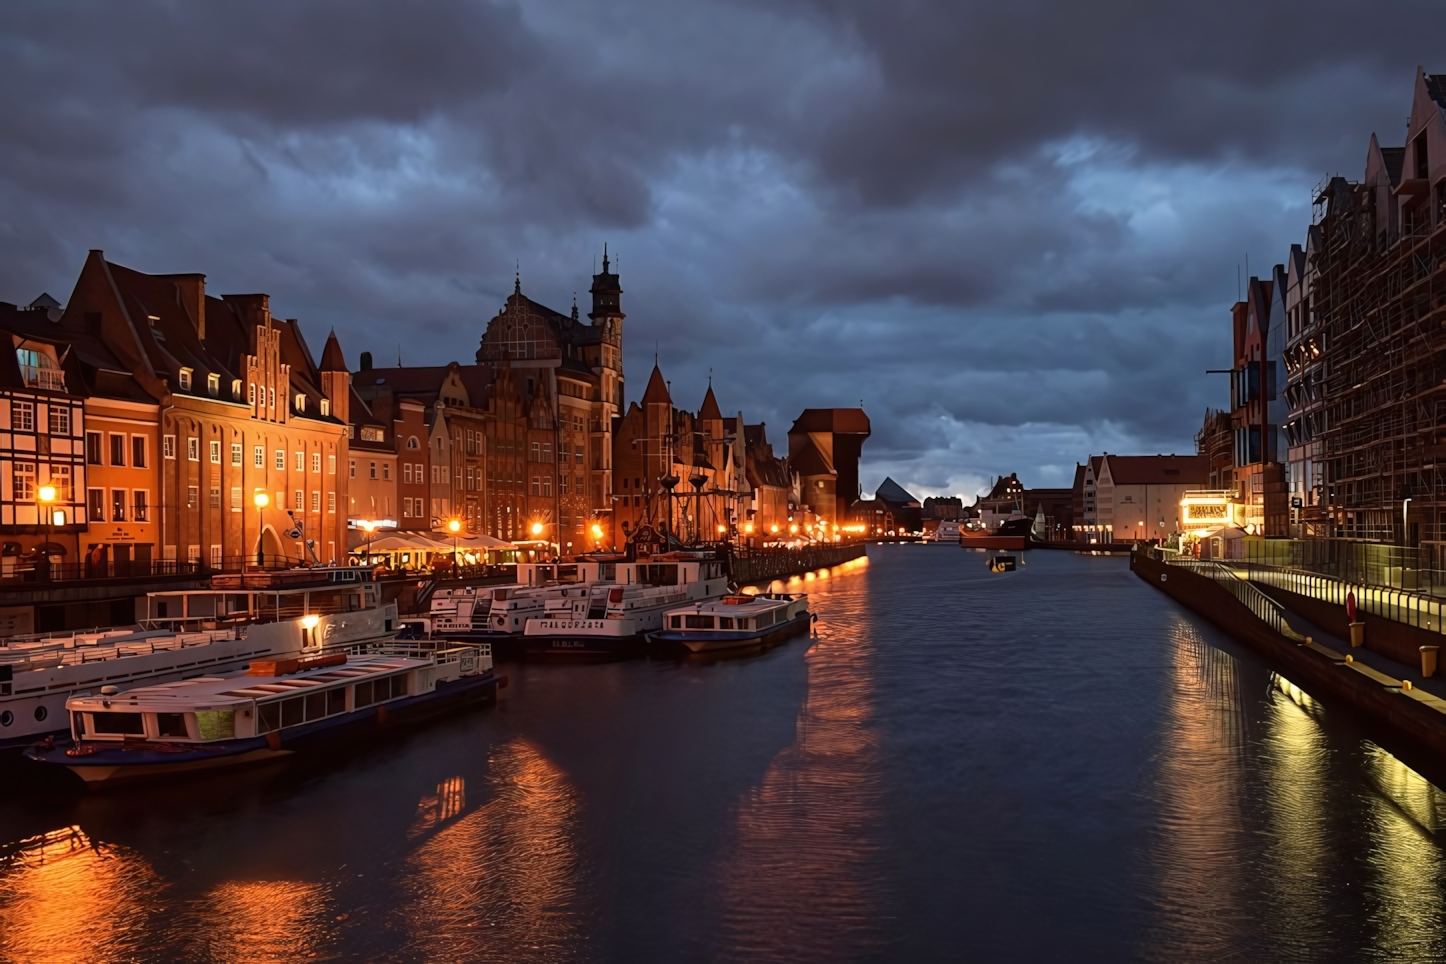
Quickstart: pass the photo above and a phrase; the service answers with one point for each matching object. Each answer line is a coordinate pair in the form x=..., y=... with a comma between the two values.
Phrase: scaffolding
x=1378, y=318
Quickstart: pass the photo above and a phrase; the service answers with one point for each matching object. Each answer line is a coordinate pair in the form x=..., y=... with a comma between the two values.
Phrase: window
x=331, y=502
x=141, y=504
x=258, y=457
x=316, y=462
x=193, y=554
x=331, y=465
x=300, y=402
x=547, y=451
x=95, y=505
x=536, y=451
x=562, y=485
x=59, y=420
x=547, y=486
x=215, y=557
x=168, y=448
x=412, y=442
x=387, y=471
x=235, y=389
x=138, y=451
x=24, y=479
x=325, y=407
x=371, y=470
x=236, y=505
x=270, y=398
x=92, y=448
x=193, y=496
x=22, y=416
x=578, y=455
x=407, y=507
x=215, y=497
x=280, y=460
x=117, y=505
x=351, y=467
x=406, y=472
x=235, y=453
x=297, y=503
x=372, y=433
x=316, y=502
x=185, y=379
x=213, y=385
x=117, y=449
x=215, y=452
x=301, y=461
x=193, y=449
x=536, y=485
x=251, y=393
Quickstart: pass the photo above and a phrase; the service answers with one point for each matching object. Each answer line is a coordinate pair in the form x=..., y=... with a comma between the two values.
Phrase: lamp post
x=261, y=500
x=455, y=526
x=46, y=497
x=368, y=526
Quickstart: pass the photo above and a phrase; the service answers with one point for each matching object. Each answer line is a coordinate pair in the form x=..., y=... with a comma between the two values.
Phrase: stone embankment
x=765, y=565
x=1392, y=698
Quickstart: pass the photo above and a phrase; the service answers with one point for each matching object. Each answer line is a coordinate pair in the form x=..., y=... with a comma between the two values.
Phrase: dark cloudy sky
x=1011, y=229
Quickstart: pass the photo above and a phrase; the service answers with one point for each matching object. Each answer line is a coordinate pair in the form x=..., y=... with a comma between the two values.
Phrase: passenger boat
x=278, y=707
x=498, y=615
x=183, y=635
x=1012, y=535
x=613, y=619
x=735, y=621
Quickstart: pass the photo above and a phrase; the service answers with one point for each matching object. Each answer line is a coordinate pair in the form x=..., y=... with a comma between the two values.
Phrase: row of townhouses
x=154, y=426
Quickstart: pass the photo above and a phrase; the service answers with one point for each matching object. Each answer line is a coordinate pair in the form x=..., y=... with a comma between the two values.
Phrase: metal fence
x=1266, y=609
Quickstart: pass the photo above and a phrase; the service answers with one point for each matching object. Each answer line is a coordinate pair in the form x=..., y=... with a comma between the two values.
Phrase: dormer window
x=300, y=402
x=325, y=406
x=236, y=389
x=213, y=385
x=185, y=379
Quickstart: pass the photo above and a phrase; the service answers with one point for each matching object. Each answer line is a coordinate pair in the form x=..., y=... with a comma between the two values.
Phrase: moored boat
x=183, y=635
x=735, y=621
x=278, y=707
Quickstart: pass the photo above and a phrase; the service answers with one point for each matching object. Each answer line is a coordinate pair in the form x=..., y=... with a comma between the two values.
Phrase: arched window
x=412, y=442
x=325, y=406
x=300, y=402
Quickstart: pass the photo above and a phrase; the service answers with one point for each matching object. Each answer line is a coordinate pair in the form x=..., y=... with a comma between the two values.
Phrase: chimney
x=191, y=296
x=366, y=361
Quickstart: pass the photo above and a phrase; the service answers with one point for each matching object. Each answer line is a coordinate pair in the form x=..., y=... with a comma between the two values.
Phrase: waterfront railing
x=1239, y=585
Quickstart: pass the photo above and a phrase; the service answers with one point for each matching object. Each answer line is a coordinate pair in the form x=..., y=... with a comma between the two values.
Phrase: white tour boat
x=735, y=621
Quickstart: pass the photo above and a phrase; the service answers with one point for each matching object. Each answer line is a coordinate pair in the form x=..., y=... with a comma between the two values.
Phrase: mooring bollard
x=1358, y=634
x=1429, y=655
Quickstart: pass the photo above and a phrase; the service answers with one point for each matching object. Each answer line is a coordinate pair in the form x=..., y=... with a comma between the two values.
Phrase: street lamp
x=46, y=496
x=368, y=527
x=261, y=500
x=455, y=526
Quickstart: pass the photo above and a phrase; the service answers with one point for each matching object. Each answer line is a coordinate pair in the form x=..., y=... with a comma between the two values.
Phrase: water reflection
x=501, y=881
x=801, y=880
x=65, y=897
x=260, y=922
x=1405, y=866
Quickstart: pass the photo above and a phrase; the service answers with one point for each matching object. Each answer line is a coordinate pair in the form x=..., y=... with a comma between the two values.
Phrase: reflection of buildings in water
x=434, y=810
x=261, y=921
x=805, y=859
x=65, y=897
x=1405, y=865
x=1295, y=769
x=501, y=879
x=1196, y=858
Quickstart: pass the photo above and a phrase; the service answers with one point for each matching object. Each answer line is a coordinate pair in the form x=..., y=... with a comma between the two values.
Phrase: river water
x=1053, y=764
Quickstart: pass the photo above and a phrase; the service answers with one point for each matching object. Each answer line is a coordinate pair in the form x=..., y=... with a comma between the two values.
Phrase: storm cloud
x=1011, y=230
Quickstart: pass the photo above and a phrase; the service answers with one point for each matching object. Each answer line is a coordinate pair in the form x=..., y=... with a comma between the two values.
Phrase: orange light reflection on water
x=262, y=921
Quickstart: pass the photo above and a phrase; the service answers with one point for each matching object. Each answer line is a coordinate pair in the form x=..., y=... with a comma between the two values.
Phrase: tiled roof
x=1159, y=469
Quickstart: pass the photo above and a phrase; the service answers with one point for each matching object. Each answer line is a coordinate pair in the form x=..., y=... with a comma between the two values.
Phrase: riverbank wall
x=1410, y=717
x=765, y=565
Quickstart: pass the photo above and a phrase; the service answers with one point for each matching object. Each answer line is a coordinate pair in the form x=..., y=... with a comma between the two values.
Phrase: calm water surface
x=1052, y=764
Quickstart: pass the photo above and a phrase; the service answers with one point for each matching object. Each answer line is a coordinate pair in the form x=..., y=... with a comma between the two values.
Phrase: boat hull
x=100, y=765
x=714, y=641
x=585, y=639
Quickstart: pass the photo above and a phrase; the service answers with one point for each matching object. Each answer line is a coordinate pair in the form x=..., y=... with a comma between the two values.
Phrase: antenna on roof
x=399, y=354
x=710, y=378
x=517, y=283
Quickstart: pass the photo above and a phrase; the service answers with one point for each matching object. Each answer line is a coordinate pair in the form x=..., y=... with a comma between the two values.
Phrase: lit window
x=215, y=453
x=325, y=407
x=213, y=385
x=22, y=416
x=59, y=420
x=300, y=402
x=185, y=379
x=258, y=457
x=280, y=460
x=193, y=449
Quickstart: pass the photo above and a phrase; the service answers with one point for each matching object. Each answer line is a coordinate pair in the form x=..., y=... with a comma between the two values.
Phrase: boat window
x=658, y=575
x=675, y=622
x=363, y=694
x=293, y=711
x=216, y=724
x=118, y=724
x=609, y=571
x=399, y=686
x=171, y=724
x=499, y=595
x=336, y=701
x=698, y=622
x=544, y=574
x=268, y=717
x=316, y=706
x=725, y=622
x=567, y=573
x=744, y=623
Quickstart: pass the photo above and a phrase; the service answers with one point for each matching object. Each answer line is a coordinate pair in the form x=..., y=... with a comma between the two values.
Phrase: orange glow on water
x=264, y=921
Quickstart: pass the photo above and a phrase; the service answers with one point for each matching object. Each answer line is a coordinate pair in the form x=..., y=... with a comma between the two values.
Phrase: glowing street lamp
x=455, y=526
x=597, y=534
x=368, y=526
x=46, y=495
x=536, y=529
